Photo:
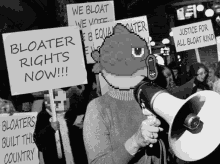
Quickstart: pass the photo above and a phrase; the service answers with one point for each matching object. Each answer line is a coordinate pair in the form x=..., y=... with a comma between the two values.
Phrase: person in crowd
x=44, y=134
x=199, y=72
x=165, y=77
x=115, y=131
x=216, y=84
x=211, y=78
x=175, y=70
x=169, y=75
x=6, y=106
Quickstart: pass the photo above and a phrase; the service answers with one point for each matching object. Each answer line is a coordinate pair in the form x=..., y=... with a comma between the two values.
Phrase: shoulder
x=97, y=108
x=94, y=106
x=99, y=102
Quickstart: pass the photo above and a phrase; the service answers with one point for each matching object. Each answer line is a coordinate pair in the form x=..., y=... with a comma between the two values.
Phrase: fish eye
x=138, y=52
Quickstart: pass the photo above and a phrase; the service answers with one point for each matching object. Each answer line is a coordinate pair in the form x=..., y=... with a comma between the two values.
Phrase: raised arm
x=97, y=139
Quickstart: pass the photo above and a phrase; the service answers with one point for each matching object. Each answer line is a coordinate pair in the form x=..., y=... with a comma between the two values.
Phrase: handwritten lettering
x=89, y=49
x=18, y=123
x=189, y=30
x=16, y=157
x=52, y=43
x=44, y=59
x=98, y=21
x=102, y=33
x=195, y=40
x=137, y=27
x=48, y=74
x=98, y=9
x=78, y=10
x=81, y=24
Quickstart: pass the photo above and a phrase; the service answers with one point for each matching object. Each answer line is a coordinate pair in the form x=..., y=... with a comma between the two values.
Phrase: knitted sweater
x=109, y=122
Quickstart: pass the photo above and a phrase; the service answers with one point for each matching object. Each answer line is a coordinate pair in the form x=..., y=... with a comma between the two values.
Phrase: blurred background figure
x=170, y=78
x=165, y=78
x=6, y=107
x=200, y=72
x=211, y=78
x=216, y=84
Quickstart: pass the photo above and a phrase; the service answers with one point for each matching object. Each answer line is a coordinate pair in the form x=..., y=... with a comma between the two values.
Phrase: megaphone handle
x=149, y=115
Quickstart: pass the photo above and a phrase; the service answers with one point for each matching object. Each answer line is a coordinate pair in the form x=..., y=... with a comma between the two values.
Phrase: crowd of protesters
x=203, y=76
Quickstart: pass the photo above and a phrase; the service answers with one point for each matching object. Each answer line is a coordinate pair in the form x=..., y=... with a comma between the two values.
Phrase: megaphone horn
x=194, y=130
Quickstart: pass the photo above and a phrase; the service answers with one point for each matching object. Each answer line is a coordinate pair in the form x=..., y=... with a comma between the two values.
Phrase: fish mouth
x=141, y=72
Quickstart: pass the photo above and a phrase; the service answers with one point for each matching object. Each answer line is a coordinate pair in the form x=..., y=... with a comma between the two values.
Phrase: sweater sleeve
x=97, y=141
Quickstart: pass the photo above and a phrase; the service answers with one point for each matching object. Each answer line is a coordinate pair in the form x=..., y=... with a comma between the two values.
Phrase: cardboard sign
x=84, y=15
x=17, y=144
x=194, y=36
x=137, y=25
x=44, y=59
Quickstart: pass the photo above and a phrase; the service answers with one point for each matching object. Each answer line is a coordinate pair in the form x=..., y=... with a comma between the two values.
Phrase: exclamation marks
x=63, y=71
x=58, y=72
x=66, y=71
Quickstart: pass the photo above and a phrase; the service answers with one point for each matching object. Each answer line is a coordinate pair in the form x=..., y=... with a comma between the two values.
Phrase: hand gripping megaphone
x=194, y=131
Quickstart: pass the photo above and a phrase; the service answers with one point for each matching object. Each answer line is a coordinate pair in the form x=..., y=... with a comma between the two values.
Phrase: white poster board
x=194, y=36
x=45, y=59
x=138, y=25
x=84, y=15
x=17, y=144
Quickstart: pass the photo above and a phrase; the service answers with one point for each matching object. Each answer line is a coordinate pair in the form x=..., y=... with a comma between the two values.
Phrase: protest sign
x=17, y=144
x=194, y=36
x=137, y=25
x=45, y=59
x=84, y=15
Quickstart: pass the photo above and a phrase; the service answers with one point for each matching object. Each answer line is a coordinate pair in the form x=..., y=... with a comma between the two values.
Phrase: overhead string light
x=209, y=12
x=165, y=41
x=152, y=43
x=200, y=7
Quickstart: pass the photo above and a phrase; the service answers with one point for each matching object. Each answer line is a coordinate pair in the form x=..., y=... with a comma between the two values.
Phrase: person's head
x=201, y=74
x=211, y=69
x=200, y=71
x=122, y=58
x=60, y=100
x=217, y=72
x=168, y=74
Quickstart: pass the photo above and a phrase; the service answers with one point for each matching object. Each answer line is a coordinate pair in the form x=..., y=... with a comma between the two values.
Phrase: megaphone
x=194, y=131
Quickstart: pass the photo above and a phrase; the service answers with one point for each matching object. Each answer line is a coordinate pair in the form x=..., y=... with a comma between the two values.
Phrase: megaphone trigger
x=145, y=111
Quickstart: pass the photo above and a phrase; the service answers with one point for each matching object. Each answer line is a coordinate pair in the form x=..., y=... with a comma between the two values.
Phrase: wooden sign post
x=197, y=55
